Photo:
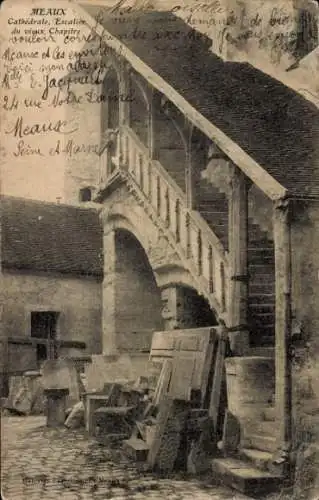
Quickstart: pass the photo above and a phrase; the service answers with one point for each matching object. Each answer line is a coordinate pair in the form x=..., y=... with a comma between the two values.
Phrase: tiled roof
x=274, y=124
x=42, y=236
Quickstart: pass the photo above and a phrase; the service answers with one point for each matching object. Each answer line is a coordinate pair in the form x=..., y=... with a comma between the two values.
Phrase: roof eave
x=270, y=186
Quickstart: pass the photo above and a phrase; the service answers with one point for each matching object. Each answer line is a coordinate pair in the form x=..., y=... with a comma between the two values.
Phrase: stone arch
x=166, y=266
x=138, y=306
x=167, y=270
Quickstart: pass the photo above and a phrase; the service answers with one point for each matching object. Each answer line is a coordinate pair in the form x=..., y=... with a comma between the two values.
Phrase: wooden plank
x=163, y=382
x=182, y=376
x=207, y=364
x=214, y=406
x=166, y=441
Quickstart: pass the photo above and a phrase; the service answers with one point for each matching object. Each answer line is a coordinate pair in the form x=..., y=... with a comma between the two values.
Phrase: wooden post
x=153, y=144
x=238, y=244
x=124, y=111
x=282, y=239
x=189, y=179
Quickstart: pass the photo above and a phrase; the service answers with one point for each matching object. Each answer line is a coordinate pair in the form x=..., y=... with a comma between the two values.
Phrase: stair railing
x=194, y=239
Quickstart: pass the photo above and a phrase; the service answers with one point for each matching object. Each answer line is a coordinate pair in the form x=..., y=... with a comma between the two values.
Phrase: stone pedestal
x=56, y=406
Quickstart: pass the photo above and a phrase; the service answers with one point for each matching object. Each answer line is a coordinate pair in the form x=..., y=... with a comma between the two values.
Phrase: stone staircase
x=261, y=269
x=251, y=470
x=248, y=466
x=212, y=204
x=204, y=252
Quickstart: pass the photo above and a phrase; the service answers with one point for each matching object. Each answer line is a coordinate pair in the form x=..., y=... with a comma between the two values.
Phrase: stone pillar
x=238, y=245
x=282, y=239
x=109, y=294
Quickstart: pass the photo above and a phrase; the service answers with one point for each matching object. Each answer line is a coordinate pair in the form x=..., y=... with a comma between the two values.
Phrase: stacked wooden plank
x=180, y=424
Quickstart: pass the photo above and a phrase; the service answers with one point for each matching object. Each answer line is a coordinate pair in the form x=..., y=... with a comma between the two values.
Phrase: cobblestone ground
x=42, y=463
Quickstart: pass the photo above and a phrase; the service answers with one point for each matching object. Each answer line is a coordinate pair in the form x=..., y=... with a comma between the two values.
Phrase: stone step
x=261, y=288
x=269, y=413
x=260, y=442
x=268, y=298
x=263, y=318
x=267, y=428
x=136, y=449
x=262, y=308
x=244, y=477
x=269, y=252
x=261, y=264
x=259, y=259
x=262, y=274
x=260, y=459
x=262, y=351
x=263, y=244
x=264, y=338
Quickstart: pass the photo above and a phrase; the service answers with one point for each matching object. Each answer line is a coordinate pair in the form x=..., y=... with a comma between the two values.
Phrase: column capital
x=281, y=210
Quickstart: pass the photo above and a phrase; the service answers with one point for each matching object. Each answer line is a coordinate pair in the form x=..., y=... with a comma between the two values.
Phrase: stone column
x=282, y=239
x=238, y=246
x=109, y=294
x=124, y=110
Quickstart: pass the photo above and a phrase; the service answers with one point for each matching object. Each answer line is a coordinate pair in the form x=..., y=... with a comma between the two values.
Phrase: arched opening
x=198, y=311
x=170, y=144
x=138, y=299
x=184, y=308
x=110, y=104
x=139, y=112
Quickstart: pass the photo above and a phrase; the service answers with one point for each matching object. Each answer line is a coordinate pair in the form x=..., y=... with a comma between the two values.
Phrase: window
x=44, y=329
x=85, y=194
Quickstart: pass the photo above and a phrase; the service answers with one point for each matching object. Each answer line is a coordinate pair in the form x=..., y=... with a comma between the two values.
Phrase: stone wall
x=305, y=268
x=77, y=300
x=305, y=364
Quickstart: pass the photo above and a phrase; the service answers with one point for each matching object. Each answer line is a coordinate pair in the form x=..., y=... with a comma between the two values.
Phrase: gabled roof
x=273, y=124
x=40, y=236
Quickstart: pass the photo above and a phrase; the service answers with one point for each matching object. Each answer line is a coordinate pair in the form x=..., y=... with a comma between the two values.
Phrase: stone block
x=56, y=406
x=76, y=416
x=120, y=368
x=61, y=374
x=26, y=393
x=250, y=385
x=136, y=449
x=231, y=433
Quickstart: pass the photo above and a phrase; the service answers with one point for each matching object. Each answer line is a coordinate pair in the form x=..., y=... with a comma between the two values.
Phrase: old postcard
x=159, y=253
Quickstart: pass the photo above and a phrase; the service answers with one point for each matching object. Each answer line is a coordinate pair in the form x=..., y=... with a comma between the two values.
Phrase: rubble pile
x=169, y=421
x=25, y=394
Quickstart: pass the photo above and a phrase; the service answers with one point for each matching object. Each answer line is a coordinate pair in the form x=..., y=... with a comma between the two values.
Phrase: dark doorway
x=44, y=329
